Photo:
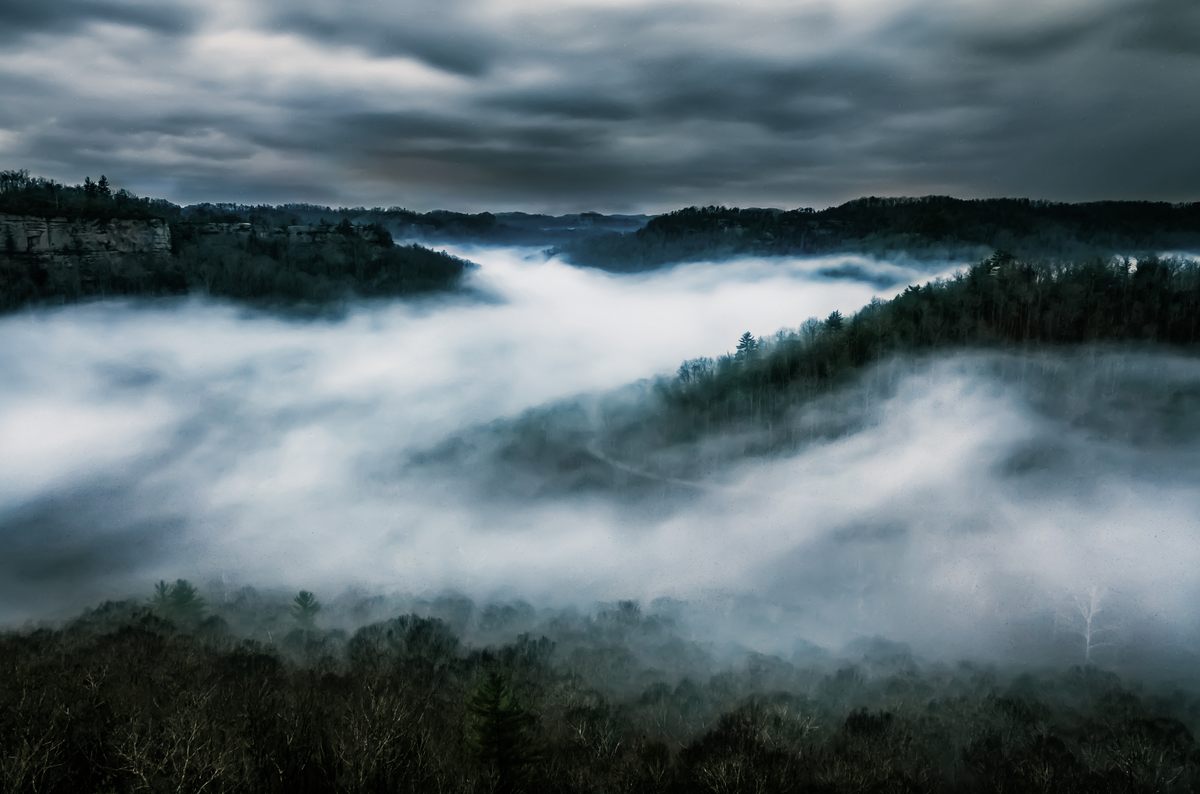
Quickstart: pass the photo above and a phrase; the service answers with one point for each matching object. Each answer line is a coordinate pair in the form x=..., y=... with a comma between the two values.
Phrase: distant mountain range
x=436, y=227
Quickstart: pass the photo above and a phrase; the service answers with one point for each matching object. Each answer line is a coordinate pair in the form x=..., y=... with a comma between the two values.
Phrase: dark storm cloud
x=450, y=46
x=505, y=104
x=25, y=17
x=564, y=104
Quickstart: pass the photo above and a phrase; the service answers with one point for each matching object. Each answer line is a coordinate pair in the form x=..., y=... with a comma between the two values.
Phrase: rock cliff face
x=62, y=240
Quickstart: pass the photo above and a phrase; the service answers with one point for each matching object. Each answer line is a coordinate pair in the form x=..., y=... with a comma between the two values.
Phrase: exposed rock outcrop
x=64, y=241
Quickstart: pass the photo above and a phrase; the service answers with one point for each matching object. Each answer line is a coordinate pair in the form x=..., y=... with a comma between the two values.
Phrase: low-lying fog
x=200, y=440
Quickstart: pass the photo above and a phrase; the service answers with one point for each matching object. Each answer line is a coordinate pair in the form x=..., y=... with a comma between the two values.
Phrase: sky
x=608, y=105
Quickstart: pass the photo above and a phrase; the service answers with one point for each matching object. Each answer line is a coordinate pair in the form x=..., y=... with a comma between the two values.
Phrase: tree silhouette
x=179, y=602
x=747, y=345
x=102, y=187
x=305, y=607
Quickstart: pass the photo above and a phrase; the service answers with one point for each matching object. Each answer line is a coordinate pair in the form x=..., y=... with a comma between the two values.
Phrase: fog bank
x=977, y=496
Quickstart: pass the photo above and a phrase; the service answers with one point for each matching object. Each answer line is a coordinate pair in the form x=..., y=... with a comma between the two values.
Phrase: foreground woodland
x=251, y=694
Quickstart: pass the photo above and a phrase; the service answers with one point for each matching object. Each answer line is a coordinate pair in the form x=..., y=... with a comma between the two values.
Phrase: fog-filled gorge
x=789, y=397
x=975, y=497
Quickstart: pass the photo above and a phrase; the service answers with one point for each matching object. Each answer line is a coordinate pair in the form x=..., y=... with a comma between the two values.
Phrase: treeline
x=22, y=194
x=747, y=400
x=166, y=695
x=930, y=227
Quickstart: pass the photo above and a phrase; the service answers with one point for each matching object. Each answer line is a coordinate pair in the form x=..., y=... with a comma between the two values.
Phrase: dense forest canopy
x=246, y=691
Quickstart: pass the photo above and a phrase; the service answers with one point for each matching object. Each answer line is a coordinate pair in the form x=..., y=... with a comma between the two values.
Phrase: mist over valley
x=951, y=502
x=785, y=396
x=824, y=474
x=208, y=425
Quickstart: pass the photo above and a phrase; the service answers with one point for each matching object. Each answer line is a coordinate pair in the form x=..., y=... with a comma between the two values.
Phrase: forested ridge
x=1002, y=302
x=192, y=691
x=273, y=260
x=752, y=393
x=23, y=194
x=436, y=226
x=928, y=227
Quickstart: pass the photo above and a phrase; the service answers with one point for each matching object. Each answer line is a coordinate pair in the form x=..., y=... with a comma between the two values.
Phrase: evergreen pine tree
x=500, y=731
x=305, y=607
x=747, y=345
x=179, y=602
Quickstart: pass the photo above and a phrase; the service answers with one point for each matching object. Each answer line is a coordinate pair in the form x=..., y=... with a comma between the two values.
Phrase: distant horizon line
x=548, y=212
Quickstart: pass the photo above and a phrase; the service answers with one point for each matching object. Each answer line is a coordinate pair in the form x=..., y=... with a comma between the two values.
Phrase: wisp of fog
x=197, y=439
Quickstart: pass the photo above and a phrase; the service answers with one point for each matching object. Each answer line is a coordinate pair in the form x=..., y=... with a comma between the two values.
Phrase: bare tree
x=1083, y=619
x=182, y=751
x=34, y=750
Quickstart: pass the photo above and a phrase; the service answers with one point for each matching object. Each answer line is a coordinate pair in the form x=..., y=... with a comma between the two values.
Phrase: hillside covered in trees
x=929, y=227
x=746, y=402
x=65, y=243
x=244, y=691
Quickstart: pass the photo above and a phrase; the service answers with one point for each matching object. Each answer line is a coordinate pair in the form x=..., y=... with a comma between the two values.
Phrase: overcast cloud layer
x=605, y=104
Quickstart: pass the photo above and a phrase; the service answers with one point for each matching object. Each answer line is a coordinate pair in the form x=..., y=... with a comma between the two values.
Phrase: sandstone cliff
x=63, y=240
